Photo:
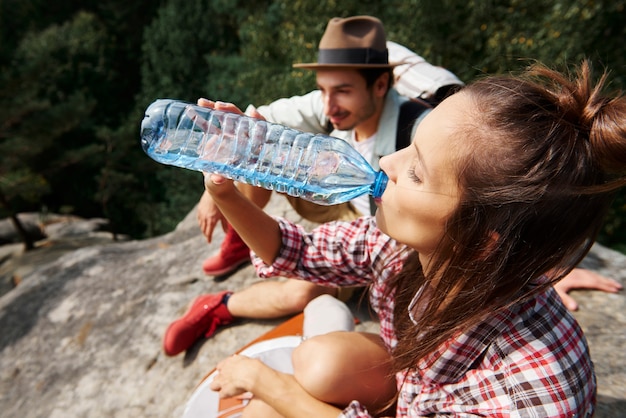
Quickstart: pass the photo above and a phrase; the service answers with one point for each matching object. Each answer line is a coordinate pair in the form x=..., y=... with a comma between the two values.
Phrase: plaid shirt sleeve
x=355, y=410
x=528, y=360
x=334, y=254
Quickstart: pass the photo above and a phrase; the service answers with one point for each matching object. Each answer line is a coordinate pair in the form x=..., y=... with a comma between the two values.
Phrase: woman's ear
x=493, y=241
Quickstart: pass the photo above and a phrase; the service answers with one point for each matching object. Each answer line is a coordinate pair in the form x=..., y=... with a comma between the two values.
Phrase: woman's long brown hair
x=546, y=154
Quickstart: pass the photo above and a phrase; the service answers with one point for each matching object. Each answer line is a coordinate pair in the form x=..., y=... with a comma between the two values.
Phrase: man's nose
x=329, y=105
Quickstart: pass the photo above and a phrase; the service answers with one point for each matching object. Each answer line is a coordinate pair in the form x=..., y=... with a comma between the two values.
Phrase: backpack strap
x=409, y=112
x=329, y=127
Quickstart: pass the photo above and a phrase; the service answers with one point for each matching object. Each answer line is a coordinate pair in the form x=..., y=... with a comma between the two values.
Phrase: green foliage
x=614, y=231
x=181, y=44
x=47, y=103
x=66, y=77
x=188, y=46
x=76, y=76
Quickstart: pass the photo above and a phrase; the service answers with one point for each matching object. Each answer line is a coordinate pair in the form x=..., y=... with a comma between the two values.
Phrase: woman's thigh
x=343, y=366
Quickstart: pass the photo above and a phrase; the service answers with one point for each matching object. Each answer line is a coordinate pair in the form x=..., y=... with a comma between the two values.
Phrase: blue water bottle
x=318, y=168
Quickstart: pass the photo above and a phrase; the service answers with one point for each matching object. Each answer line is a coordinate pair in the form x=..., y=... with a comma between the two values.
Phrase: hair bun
x=599, y=119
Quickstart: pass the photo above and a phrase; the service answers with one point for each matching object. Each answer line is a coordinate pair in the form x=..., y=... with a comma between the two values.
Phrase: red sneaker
x=206, y=313
x=233, y=253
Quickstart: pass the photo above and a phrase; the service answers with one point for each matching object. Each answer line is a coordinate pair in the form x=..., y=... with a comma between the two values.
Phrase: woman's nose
x=392, y=163
x=386, y=165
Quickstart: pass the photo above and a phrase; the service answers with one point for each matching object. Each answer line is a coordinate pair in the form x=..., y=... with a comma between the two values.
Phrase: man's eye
x=414, y=176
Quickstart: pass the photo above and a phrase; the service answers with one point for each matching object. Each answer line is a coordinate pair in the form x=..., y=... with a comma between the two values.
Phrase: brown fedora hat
x=352, y=42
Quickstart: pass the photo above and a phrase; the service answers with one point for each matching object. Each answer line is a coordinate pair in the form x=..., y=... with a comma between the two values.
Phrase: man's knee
x=323, y=213
x=297, y=294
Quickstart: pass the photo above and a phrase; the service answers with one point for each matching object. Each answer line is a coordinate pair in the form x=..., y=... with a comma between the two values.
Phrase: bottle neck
x=379, y=185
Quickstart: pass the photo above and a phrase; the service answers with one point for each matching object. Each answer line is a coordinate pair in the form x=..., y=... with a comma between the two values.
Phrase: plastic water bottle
x=318, y=168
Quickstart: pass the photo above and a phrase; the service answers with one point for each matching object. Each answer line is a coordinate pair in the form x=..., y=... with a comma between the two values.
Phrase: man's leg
x=267, y=299
x=274, y=299
x=234, y=252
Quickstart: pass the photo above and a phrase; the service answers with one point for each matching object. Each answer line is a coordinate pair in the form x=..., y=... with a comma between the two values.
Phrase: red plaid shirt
x=531, y=360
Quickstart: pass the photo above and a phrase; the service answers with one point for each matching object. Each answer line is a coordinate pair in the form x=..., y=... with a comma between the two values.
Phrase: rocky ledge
x=82, y=327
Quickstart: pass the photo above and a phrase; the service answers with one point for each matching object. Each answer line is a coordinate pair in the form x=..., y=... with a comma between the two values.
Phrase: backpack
x=409, y=112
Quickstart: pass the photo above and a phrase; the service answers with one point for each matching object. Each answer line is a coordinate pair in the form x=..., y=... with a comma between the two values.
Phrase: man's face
x=347, y=100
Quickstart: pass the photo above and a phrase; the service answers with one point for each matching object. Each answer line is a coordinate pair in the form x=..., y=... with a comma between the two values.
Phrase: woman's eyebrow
x=420, y=160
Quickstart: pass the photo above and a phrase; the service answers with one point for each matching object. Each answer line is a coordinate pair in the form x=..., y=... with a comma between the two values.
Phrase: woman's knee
x=343, y=366
x=314, y=362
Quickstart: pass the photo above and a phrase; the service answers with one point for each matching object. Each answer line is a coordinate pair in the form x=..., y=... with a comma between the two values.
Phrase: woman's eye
x=413, y=176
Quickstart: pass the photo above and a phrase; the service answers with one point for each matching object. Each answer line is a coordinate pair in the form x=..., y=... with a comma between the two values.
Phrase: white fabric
x=326, y=314
x=418, y=77
x=276, y=353
x=366, y=149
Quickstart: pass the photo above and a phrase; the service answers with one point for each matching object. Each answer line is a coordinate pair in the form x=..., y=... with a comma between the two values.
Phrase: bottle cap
x=379, y=185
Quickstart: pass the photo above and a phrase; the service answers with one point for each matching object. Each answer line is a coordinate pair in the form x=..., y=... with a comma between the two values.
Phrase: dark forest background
x=76, y=76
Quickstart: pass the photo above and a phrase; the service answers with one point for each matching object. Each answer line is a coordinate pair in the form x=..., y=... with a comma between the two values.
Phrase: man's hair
x=372, y=74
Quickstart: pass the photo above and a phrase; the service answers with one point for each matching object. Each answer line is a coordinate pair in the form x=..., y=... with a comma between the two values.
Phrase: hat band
x=352, y=56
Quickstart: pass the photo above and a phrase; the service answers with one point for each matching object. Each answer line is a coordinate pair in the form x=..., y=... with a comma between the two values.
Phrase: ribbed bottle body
x=318, y=168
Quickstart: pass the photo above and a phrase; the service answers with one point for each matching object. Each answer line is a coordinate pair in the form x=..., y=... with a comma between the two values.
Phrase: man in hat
x=354, y=101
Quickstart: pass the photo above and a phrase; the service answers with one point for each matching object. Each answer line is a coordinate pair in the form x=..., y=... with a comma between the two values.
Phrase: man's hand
x=584, y=279
x=208, y=216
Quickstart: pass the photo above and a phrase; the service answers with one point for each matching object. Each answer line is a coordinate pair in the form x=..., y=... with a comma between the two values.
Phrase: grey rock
x=75, y=227
x=81, y=334
x=30, y=222
x=59, y=234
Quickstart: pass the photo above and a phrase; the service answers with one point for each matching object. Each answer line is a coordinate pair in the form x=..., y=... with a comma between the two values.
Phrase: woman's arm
x=259, y=230
x=240, y=374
